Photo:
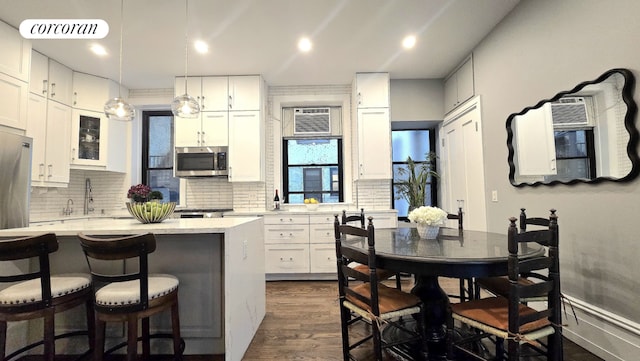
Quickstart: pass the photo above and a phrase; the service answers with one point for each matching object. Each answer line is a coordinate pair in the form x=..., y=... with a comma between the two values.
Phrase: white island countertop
x=219, y=261
x=120, y=226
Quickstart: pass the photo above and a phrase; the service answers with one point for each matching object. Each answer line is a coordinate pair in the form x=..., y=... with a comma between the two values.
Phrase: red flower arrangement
x=139, y=193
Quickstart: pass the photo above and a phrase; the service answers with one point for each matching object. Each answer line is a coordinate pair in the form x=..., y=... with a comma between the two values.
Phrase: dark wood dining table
x=455, y=253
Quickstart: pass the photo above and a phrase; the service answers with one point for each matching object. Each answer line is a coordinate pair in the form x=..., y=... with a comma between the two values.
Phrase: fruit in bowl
x=151, y=212
x=312, y=203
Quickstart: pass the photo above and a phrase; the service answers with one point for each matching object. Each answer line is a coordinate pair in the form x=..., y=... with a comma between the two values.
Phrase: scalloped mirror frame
x=629, y=123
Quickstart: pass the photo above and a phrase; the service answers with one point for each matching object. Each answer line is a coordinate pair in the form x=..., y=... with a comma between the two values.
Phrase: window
x=312, y=169
x=415, y=144
x=157, y=154
x=575, y=154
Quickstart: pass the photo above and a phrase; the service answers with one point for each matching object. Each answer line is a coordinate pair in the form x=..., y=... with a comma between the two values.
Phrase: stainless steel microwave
x=201, y=162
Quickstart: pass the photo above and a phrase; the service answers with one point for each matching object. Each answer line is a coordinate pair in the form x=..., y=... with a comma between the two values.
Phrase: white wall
x=541, y=48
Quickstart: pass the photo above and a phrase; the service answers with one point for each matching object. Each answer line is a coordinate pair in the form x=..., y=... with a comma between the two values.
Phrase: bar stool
x=38, y=294
x=131, y=295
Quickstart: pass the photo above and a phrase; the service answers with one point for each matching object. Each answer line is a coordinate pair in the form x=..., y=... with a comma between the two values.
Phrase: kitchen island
x=220, y=265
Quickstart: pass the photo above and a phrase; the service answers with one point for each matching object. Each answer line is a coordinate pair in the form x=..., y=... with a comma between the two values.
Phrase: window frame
x=146, y=115
x=340, y=166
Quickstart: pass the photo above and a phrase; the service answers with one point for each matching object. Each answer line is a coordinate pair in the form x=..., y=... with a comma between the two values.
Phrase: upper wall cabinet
x=91, y=92
x=51, y=79
x=245, y=92
x=14, y=75
x=211, y=92
x=458, y=87
x=14, y=95
x=586, y=134
x=16, y=53
x=372, y=90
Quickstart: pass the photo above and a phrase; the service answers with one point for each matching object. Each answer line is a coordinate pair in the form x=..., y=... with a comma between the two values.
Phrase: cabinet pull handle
x=50, y=171
x=75, y=98
x=44, y=86
x=41, y=170
x=202, y=103
x=73, y=153
x=230, y=102
x=53, y=90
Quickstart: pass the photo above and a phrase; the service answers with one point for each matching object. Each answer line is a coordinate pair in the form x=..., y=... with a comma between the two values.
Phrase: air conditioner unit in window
x=570, y=112
x=311, y=121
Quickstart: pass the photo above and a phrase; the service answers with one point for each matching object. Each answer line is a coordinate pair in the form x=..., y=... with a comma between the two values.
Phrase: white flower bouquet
x=432, y=216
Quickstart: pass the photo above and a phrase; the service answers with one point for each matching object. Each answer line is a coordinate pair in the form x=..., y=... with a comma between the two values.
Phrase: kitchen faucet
x=88, y=197
x=68, y=210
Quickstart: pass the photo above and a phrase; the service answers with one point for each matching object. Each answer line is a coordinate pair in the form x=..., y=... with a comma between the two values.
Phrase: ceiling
x=260, y=37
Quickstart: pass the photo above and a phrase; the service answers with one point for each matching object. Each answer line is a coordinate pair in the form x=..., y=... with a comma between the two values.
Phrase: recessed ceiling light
x=304, y=45
x=409, y=42
x=98, y=49
x=201, y=47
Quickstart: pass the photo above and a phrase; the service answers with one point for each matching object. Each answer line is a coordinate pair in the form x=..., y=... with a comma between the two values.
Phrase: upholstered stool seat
x=126, y=293
x=36, y=294
x=30, y=291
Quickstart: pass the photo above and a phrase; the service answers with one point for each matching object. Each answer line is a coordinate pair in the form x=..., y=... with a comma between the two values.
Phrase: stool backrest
x=100, y=249
x=26, y=248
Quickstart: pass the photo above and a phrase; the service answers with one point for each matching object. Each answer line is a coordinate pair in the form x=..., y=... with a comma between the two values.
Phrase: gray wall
x=416, y=99
x=541, y=48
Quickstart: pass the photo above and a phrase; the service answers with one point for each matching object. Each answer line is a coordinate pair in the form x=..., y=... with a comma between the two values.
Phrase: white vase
x=428, y=232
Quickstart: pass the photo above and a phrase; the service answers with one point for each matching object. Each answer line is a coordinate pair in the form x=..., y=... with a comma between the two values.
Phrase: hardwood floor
x=302, y=323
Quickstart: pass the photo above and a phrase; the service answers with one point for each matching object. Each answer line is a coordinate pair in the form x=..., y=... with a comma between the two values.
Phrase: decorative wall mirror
x=586, y=135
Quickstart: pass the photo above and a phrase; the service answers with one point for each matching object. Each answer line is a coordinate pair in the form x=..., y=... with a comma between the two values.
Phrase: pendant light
x=118, y=108
x=185, y=106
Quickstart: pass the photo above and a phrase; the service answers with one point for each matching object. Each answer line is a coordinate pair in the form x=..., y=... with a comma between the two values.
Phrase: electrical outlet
x=494, y=196
x=245, y=244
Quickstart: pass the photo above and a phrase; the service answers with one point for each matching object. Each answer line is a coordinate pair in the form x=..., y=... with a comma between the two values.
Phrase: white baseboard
x=602, y=333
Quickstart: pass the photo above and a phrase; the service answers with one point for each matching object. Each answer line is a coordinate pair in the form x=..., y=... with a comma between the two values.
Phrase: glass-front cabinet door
x=88, y=143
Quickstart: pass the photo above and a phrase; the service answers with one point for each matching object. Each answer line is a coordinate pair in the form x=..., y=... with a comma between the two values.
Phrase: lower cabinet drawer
x=321, y=234
x=287, y=234
x=323, y=258
x=287, y=258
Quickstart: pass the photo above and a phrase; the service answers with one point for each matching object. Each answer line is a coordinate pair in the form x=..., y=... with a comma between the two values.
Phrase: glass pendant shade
x=185, y=106
x=119, y=109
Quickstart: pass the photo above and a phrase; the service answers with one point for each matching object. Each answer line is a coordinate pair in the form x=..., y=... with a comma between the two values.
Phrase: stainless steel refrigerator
x=15, y=180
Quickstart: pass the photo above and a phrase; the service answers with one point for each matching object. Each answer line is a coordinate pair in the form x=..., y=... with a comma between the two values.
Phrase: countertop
x=120, y=226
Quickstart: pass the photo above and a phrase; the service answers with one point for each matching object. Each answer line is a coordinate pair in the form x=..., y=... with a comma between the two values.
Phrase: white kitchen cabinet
x=95, y=142
x=372, y=90
x=49, y=124
x=246, y=139
x=459, y=87
x=286, y=243
x=245, y=92
x=89, y=138
x=50, y=79
x=16, y=53
x=374, y=143
x=209, y=129
x=211, y=92
x=60, y=83
x=14, y=95
x=91, y=92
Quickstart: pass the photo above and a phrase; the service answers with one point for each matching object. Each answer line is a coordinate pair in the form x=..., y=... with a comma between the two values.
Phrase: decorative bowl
x=151, y=212
x=312, y=206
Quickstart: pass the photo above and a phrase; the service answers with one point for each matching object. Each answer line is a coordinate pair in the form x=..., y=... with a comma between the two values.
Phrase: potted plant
x=413, y=187
x=139, y=193
x=155, y=196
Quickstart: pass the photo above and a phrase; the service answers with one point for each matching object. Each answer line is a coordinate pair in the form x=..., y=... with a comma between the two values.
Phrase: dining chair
x=467, y=289
x=123, y=294
x=35, y=294
x=499, y=285
x=378, y=306
x=382, y=273
x=507, y=318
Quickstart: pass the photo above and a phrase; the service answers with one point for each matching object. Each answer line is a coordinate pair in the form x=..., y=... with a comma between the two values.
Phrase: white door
x=462, y=165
